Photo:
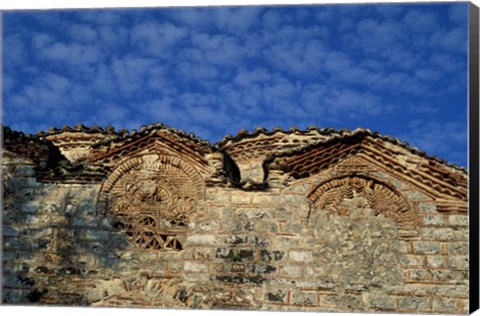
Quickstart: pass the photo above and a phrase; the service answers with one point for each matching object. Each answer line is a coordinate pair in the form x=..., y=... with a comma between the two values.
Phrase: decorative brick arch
x=152, y=197
x=380, y=196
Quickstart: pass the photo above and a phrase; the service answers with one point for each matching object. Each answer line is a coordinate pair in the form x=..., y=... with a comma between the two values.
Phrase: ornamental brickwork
x=297, y=220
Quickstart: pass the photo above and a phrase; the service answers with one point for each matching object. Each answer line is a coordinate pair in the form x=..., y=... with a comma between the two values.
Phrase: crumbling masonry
x=314, y=220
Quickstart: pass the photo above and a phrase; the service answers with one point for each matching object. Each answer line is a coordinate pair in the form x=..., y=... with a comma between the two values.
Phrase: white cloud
x=236, y=20
x=428, y=74
x=298, y=58
x=447, y=62
x=101, y=17
x=82, y=33
x=197, y=72
x=279, y=96
x=444, y=139
x=111, y=112
x=8, y=82
x=390, y=10
x=458, y=13
x=72, y=54
x=113, y=36
x=103, y=81
x=131, y=73
x=208, y=116
x=219, y=50
x=453, y=40
x=14, y=51
x=41, y=99
x=354, y=104
x=197, y=18
x=157, y=39
x=246, y=77
x=421, y=21
x=165, y=111
x=271, y=20
x=423, y=107
x=41, y=40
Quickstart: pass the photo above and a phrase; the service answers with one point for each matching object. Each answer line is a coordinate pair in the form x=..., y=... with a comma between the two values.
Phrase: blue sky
x=399, y=69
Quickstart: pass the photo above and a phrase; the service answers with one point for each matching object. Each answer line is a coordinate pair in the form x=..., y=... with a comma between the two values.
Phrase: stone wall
x=265, y=249
x=316, y=220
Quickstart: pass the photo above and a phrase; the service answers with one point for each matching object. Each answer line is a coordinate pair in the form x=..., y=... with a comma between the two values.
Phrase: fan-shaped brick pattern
x=152, y=198
x=380, y=197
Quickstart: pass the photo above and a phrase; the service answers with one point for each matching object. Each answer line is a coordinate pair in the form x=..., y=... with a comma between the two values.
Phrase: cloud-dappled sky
x=399, y=69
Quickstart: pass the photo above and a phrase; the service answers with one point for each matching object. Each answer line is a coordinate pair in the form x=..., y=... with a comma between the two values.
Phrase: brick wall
x=265, y=249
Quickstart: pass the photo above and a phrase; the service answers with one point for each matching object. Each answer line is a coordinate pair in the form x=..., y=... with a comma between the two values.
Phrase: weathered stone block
x=240, y=279
x=224, y=253
x=418, y=289
x=294, y=199
x=11, y=296
x=426, y=247
x=458, y=220
x=9, y=256
x=458, y=248
x=450, y=277
x=380, y=301
x=241, y=198
x=427, y=207
x=420, y=275
x=404, y=246
x=265, y=199
x=437, y=261
x=345, y=301
x=432, y=220
x=442, y=304
x=237, y=239
x=218, y=196
x=461, y=235
x=294, y=271
x=238, y=267
x=191, y=266
x=256, y=213
x=261, y=241
x=202, y=240
x=412, y=260
x=288, y=241
x=301, y=256
x=414, y=303
x=30, y=207
x=263, y=226
x=9, y=231
x=304, y=298
x=267, y=255
x=25, y=171
x=263, y=269
x=292, y=228
x=458, y=262
x=277, y=296
x=438, y=233
x=210, y=226
x=244, y=254
x=282, y=214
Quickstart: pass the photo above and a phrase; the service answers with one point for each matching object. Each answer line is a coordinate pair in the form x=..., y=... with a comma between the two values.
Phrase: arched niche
x=152, y=198
x=343, y=194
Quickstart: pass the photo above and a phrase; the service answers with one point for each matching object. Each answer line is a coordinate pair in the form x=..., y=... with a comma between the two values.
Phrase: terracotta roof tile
x=145, y=130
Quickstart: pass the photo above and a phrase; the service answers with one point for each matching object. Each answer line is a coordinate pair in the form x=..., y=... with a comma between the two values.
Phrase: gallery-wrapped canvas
x=362, y=208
